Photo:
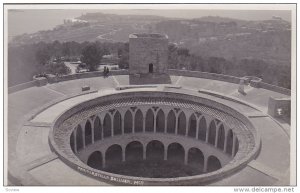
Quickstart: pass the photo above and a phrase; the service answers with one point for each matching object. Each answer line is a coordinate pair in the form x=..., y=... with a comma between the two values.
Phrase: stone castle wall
x=146, y=49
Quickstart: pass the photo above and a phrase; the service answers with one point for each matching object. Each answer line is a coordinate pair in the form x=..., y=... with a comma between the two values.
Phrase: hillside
x=266, y=43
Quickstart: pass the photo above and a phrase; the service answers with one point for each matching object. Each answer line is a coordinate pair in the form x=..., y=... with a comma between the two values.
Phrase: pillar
x=155, y=117
x=208, y=121
x=144, y=124
x=176, y=126
x=133, y=122
x=83, y=136
x=205, y=165
x=185, y=157
x=93, y=137
x=225, y=141
x=197, y=127
x=103, y=160
x=75, y=141
x=122, y=123
x=233, y=145
x=123, y=154
x=187, y=122
x=165, y=152
x=166, y=124
x=112, y=125
x=102, y=130
x=206, y=135
x=144, y=152
x=217, y=135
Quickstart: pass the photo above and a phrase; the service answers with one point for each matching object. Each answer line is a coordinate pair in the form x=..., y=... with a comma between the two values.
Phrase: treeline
x=180, y=58
x=27, y=60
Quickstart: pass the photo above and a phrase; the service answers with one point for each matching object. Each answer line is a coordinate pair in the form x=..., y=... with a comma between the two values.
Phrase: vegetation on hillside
x=26, y=60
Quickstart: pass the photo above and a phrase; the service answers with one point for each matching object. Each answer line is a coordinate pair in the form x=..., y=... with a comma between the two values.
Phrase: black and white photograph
x=149, y=95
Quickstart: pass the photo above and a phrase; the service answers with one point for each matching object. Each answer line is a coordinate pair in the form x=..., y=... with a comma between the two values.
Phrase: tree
x=43, y=53
x=56, y=68
x=91, y=56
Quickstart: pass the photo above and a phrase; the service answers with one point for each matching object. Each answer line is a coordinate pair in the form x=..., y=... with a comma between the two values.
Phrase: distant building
x=148, y=53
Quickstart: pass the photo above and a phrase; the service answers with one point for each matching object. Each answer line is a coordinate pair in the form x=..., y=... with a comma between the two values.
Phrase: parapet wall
x=198, y=74
x=226, y=78
x=22, y=86
x=205, y=75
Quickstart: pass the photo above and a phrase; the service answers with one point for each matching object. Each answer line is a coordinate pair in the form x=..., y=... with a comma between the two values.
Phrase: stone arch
x=221, y=137
x=97, y=129
x=107, y=126
x=79, y=138
x=202, y=129
x=175, y=153
x=171, y=122
x=181, y=124
x=229, y=144
x=160, y=121
x=88, y=133
x=149, y=121
x=72, y=142
x=117, y=123
x=212, y=133
x=113, y=155
x=213, y=164
x=196, y=158
x=128, y=122
x=192, y=126
x=95, y=160
x=134, y=151
x=138, y=122
x=155, y=150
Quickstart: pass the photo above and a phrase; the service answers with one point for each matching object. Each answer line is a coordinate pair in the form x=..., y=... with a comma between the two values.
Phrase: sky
x=31, y=21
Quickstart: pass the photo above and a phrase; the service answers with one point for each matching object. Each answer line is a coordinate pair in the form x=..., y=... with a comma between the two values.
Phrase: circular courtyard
x=146, y=135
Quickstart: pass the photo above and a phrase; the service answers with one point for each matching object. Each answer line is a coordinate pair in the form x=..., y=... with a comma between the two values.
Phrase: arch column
x=187, y=122
x=83, y=135
x=133, y=122
x=155, y=117
x=205, y=164
x=208, y=122
x=233, y=145
x=75, y=141
x=185, y=157
x=166, y=123
x=225, y=141
x=176, y=125
x=144, y=124
x=217, y=134
x=93, y=135
x=122, y=122
x=165, y=152
x=102, y=129
x=103, y=160
x=123, y=154
x=144, y=152
x=197, y=127
x=112, y=118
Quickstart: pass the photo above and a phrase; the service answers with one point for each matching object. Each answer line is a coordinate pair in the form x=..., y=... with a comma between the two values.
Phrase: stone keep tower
x=148, y=53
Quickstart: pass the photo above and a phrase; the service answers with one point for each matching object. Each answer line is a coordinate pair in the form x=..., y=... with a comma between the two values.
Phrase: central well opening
x=152, y=141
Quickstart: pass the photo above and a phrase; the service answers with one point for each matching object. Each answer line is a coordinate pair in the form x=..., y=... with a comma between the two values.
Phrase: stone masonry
x=148, y=53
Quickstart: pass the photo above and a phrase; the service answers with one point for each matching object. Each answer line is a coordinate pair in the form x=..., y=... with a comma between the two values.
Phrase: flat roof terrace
x=32, y=111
